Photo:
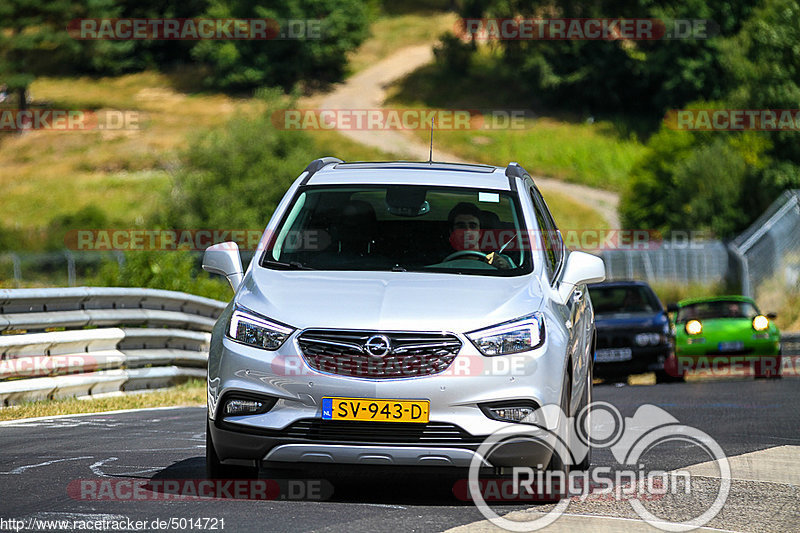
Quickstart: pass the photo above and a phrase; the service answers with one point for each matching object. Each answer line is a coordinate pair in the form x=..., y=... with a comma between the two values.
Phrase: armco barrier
x=790, y=344
x=88, y=340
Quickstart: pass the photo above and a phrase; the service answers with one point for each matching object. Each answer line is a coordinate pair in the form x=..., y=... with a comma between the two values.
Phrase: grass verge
x=396, y=28
x=570, y=214
x=126, y=174
x=594, y=151
x=191, y=393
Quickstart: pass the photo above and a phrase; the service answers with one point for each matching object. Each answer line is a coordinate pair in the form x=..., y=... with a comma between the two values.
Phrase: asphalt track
x=43, y=464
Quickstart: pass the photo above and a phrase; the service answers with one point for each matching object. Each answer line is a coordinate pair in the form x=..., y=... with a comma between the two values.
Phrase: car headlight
x=253, y=330
x=694, y=327
x=760, y=323
x=515, y=336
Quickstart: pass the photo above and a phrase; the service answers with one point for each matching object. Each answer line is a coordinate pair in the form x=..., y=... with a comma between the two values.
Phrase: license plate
x=613, y=355
x=731, y=346
x=376, y=410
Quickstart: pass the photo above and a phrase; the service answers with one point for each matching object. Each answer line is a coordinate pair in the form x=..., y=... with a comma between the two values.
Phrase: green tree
x=595, y=76
x=718, y=180
x=244, y=64
x=34, y=41
x=764, y=64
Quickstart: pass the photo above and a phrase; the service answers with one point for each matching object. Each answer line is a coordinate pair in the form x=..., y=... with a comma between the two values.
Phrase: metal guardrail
x=790, y=344
x=88, y=340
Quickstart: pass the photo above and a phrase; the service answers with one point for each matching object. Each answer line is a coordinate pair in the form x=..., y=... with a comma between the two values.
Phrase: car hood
x=728, y=328
x=388, y=300
x=630, y=320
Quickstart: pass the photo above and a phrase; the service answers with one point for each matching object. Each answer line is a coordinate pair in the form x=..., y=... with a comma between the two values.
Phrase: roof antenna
x=430, y=156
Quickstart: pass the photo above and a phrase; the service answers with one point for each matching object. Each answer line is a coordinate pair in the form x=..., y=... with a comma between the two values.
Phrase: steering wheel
x=459, y=253
x=482, y=255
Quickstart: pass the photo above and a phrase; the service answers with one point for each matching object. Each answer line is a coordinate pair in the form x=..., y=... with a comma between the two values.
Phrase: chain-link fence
x=66, y=268
x=59, y=268
x=704, y=263
x=769, y=251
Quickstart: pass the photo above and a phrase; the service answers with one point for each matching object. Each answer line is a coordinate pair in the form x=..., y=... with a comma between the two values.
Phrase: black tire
x=662, y=376
x=216, y=470
x=556, y=462
x=586, y=401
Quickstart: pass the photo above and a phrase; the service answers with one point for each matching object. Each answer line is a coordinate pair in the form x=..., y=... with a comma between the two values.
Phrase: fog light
x=512, y=414
x=508, y=412
x=244, y=407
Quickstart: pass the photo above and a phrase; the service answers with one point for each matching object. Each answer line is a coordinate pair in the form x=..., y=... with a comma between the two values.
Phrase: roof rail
x=515, y=170
x=316, y=165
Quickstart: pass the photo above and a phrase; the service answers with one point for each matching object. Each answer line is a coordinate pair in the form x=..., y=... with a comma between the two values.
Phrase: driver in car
x=465, y=235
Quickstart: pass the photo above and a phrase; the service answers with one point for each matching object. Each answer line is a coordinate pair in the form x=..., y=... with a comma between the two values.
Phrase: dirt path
x=367, y=90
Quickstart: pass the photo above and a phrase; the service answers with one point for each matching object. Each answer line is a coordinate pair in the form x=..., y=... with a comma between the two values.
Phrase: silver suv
x=397, y=314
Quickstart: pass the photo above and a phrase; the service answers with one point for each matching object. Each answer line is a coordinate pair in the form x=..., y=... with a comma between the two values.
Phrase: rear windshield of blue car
x=624, y=299
x=402, y=228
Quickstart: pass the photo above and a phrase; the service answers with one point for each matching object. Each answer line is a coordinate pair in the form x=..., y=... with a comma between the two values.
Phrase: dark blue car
x=633, y=331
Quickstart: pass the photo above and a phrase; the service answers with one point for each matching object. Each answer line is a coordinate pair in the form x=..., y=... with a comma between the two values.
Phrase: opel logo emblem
x=378, y=345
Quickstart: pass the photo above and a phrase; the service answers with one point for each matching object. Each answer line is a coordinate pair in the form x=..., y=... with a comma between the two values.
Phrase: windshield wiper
x=290, y=265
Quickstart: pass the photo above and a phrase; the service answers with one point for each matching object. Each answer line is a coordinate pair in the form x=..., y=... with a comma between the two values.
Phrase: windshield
x=630, y=299
x=719, y=309
x=402, y=228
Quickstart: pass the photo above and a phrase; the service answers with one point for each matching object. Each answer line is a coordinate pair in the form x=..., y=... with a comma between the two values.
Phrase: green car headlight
x=515, y=336
x=760, y=323
x=254, y=330
x=694, y=327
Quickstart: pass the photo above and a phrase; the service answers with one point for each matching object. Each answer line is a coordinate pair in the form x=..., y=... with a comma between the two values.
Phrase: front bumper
x=752, y=348
x=290, y=431
x=233, y=446
x=643, y=359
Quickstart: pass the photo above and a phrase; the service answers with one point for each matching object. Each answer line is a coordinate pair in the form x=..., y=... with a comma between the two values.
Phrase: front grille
x=606, y=340
x=378, y=432
x=411, y=354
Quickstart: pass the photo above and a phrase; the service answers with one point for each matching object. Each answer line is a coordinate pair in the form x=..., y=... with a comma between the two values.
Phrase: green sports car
x=728, y=328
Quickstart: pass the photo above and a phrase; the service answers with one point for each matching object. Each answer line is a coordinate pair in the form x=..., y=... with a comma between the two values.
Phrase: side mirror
x=580, y=268
x=223, y=258
x=672, y=308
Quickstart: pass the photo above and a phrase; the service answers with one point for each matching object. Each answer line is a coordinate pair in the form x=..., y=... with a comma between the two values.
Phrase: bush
x=174, y=271
x=694, y=181
x=233, y=177
x=452, y=55
x=90, y=217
